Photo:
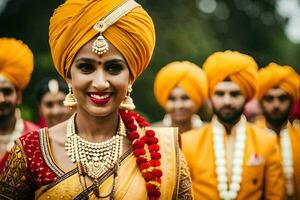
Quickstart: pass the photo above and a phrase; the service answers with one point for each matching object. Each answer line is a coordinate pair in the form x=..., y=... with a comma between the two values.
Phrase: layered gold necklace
x=95, y=158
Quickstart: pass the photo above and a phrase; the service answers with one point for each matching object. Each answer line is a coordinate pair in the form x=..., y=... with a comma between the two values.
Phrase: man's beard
x=7, y=110
x=231, y=118
x=277, y=120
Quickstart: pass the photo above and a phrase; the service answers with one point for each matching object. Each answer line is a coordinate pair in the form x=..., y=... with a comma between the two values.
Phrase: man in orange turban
x=16, y=65
x=278, y=90
x=230, y=158
x=100, y=47
x=180, y=88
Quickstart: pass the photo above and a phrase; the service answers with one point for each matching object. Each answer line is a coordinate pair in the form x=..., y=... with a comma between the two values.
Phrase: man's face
x=276, y=104
x=228, y=102
x=9, y=99
x=180, y=106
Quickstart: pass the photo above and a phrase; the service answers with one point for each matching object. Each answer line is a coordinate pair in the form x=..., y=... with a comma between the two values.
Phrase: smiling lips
x=99, y=98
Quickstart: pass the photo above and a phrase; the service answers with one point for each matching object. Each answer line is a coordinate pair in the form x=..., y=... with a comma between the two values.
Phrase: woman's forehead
x=86, y=51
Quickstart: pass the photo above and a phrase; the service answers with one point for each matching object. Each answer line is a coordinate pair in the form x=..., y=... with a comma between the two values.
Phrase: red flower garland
x=147, y=159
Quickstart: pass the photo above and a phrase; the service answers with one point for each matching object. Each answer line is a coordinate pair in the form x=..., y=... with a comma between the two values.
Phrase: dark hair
x=43, y=87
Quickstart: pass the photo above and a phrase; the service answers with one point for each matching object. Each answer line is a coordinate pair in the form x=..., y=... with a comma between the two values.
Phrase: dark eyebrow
x=115, y=61
x=89, y=60
x=85, y=60
x=219, y=91
x=6, y=87
x=235, y=91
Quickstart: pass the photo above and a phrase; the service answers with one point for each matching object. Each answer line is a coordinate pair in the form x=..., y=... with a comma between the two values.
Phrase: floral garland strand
x=287, y=161
x=146, y=150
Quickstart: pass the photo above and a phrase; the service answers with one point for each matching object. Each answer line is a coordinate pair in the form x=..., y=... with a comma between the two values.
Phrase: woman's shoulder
x=167, y=136
x=30, y=137
x=57, y=133
x=165, y=131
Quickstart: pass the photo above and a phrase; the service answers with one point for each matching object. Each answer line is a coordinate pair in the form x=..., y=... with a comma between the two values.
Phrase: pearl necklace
x=220, y=162
x=96, y=158
x=287, y=161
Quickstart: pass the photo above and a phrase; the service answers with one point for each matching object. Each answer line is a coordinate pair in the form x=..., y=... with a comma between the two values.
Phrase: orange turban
x=71, y=27
x=184, y=74
x=240, y=68
x=16, y=62
x=284, y=77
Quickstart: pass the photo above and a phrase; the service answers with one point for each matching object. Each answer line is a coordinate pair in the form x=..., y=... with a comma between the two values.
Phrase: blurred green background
x=190, y=30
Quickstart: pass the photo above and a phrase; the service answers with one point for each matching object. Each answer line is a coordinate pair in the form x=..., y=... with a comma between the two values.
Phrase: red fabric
x=36, y=165
x=295, y=111
x=42, y=122
x=28, y=126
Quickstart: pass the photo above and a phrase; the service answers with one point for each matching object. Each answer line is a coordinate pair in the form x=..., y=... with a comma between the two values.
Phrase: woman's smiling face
x=99, y=82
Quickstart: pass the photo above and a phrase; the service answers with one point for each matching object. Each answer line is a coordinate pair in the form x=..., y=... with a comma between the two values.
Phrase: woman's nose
x=99, y=81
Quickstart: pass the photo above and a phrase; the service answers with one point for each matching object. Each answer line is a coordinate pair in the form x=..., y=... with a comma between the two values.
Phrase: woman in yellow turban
x=180, y=88
x=105, y=150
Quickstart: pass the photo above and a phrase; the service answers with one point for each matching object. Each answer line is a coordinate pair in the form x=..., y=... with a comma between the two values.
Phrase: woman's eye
x=114, y=68
x=85, y=68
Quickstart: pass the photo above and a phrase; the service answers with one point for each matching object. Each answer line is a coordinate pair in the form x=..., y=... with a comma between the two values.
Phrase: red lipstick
x=99, y=98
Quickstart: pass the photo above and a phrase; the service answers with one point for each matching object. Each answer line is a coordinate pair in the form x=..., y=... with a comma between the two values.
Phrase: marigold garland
x=146, y=150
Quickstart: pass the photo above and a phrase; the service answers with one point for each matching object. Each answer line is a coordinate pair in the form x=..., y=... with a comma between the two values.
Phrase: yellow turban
x=184, y=74
x=71, y=27
x=16, y=62
x=284, y=77
x=240, y=68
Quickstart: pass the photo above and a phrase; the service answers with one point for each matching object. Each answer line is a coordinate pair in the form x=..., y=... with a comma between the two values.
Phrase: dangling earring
x=70, y=100
x=127, y=103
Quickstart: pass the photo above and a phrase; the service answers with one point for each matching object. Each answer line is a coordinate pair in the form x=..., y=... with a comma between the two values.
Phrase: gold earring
x=70, y=100
x=127, y=103
x=107, y=84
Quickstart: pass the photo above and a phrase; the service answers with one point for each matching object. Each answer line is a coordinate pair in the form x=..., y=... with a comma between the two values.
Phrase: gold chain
x=96, y=158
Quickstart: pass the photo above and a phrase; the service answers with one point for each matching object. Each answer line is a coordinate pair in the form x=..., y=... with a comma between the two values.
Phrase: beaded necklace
x=145, y=148
x=94, y=158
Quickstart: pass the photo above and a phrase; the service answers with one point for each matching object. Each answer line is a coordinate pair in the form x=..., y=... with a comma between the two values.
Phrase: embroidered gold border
x=178, y=164
x=46, y=152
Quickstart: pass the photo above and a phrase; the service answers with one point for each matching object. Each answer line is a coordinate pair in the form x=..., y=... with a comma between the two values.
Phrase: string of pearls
x=221, y=164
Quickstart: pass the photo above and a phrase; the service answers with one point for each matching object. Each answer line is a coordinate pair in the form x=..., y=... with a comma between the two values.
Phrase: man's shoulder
x=196, y=134
x=261, y=135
